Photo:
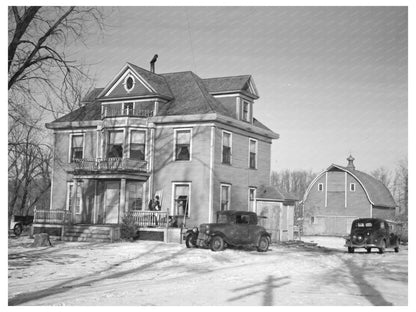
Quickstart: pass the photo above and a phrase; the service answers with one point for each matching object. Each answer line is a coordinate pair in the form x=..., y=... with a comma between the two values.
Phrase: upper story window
x=320, y=187
x=183, y=144
x=246, y=111
x=226, y=147
x=129, y=83
x=352, y=187
x=77, y=147
x=225, y=196
x=252, y=154
x=128, y=108
x=115, y=144
x=137, y=144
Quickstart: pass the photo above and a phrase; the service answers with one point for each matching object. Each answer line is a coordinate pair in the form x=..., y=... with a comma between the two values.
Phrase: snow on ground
x=155, y=273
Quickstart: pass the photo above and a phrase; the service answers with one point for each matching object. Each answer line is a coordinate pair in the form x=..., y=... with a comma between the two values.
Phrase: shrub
x=129, y=230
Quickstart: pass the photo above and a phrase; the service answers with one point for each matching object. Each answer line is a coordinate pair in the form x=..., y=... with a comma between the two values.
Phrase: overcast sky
x=332, y=80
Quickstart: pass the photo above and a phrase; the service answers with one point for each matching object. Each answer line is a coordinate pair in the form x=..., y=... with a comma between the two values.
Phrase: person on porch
x=154, y=205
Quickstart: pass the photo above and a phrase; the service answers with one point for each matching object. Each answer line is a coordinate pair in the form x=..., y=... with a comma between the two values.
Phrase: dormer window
x=246, y=107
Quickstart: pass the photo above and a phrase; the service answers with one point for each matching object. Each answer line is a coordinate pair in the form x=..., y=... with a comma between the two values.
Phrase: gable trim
x=127, y=73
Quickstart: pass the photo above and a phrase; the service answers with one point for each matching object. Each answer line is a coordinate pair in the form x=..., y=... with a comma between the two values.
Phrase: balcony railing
x=119, y=111
x=52, y=216
x=110, y=164
x=150, y=218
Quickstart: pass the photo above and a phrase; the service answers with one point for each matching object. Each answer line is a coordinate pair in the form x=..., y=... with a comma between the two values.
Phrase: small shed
x=278, y=209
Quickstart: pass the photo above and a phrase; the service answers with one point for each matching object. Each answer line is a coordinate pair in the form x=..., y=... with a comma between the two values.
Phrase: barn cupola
x=351, y=163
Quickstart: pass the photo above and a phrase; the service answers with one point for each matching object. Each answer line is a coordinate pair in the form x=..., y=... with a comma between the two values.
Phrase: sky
x=332, y=80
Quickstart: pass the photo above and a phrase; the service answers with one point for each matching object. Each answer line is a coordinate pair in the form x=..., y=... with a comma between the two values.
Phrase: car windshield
x=363, y=225
x=222, y=218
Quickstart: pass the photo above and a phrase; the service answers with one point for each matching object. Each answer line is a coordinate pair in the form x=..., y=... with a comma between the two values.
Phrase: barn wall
x=384, y=213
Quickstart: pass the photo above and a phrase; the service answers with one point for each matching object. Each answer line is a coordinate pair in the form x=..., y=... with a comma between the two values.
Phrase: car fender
x=217, y=233
x=263, y=233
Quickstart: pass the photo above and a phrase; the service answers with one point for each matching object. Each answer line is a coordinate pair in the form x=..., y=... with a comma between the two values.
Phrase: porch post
x=74, y=200
x=122, y=199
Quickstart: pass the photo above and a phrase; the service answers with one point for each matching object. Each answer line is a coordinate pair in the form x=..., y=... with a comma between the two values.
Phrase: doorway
x=112, y=201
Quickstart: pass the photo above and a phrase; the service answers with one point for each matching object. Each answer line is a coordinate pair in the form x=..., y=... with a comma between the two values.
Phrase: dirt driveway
x=153, y=273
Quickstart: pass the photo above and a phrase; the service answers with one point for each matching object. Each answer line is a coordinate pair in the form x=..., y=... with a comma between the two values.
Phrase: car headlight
x=207, y=229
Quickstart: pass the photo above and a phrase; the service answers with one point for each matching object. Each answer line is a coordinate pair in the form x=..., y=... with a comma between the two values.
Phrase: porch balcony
x=52, y=217
x=120, y=111
x=110, y=165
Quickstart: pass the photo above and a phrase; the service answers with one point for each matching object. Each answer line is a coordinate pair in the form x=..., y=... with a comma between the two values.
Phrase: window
x=129, y=83
x=225, y=197
x=226, y=148
x=134, y=195
x=253, y=154
x=251, y=199
x=74, y=201
x=128, y=108
x=115, y=144
x=352, y=187
x=181, y=198
x=77, y=147
x=182, y=144
x=137, y=144
x=320, y=187
x=246, y=111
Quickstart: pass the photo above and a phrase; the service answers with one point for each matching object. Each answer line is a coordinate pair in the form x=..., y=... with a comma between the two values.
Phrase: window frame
x=179, y=183
x=71, y=135
x=70, y=195
x=243, y=102
x=107, y=141
x=176, y=130
x=256, y=154
x=129, y=142
x=222, y=147
x=125, y=83
x=253, y=208
x=228, y=186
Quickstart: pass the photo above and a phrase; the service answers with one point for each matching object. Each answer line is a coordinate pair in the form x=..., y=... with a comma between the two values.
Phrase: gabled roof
x=377, y=193
x=231, y=84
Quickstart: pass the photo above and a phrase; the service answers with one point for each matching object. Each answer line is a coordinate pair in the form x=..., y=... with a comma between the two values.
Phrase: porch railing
x=150, y=218
x=111, y=164
x=52, y=216
x=119, y=111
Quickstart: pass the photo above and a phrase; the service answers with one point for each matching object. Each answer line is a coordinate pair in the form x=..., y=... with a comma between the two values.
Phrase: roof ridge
x=181, y=72
x=247, y=75
x=202, y=92
x=150, y=72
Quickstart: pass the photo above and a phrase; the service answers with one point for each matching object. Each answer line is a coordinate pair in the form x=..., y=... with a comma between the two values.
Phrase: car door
x=241, y=234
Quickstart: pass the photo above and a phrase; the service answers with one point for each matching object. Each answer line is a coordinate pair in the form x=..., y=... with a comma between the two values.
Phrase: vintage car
x=18, y=223
x=374, y=233
x=232, y=228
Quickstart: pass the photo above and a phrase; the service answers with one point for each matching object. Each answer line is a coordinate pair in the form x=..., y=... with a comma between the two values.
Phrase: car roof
x=235, y=212
x=369, y=220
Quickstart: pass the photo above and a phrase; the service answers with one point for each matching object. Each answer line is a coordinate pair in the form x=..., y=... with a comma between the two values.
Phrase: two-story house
x=194, y=142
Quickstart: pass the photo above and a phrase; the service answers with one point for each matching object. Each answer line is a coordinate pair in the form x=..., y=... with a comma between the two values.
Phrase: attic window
x=129, y=83
x=320, y=187
x=352, y=187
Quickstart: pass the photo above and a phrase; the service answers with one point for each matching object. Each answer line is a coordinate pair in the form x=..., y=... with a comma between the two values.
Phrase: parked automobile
x=371, y=233
x=18, y=223
x=232, y=228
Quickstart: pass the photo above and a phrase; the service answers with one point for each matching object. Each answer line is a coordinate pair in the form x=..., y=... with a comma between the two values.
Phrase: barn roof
x=377, y=193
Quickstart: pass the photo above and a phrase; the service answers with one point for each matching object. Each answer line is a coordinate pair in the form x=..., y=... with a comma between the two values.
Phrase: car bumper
x=364, y=245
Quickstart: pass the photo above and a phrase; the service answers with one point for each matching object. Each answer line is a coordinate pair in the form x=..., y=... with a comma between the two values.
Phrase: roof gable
x=143, y=83
x=231, y=84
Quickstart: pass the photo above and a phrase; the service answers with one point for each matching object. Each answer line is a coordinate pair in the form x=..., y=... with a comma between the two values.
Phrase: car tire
x=217, y=243
x=382, y=248
x=368, y=250
x=18, y=229
x=264, y=243
x=396, y=249
x=189, y=242
x=350, y=249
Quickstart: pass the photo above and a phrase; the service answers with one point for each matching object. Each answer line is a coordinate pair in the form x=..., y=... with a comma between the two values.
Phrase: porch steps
x=88, y=233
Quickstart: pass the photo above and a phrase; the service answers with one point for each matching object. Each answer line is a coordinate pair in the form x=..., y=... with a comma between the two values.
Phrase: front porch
x=153, y=225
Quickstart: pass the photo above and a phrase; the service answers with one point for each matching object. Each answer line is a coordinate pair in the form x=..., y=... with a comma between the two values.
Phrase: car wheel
x=18, y=229
x=368, y=250
x=350, y=249
x=217, y=243
x=382, y=248
x=396, y=249
x=189, y=242
x=263, y=244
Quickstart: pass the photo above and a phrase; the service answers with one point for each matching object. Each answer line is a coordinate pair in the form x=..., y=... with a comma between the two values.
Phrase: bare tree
x=294, y=183
x=38, y=67
x=384, y=175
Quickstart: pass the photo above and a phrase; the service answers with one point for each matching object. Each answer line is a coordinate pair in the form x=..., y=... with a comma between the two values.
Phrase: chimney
x=152, y=63
x=351, y=163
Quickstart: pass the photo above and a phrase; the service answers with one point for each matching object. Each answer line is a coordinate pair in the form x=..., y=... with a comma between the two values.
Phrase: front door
x=112, y=201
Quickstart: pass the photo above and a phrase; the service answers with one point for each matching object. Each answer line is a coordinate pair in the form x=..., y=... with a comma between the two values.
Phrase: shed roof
x=273, y=192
